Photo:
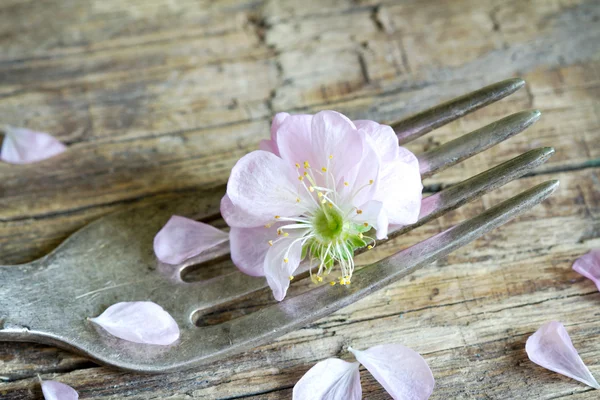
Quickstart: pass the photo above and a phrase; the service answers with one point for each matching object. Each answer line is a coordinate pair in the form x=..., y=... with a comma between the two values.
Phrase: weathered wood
x=156, y=98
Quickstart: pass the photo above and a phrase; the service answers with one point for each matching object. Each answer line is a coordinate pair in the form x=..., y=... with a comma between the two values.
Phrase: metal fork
x=111, y=260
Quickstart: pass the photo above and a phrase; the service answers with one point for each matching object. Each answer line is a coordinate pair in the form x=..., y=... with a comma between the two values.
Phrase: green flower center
x=328, y=225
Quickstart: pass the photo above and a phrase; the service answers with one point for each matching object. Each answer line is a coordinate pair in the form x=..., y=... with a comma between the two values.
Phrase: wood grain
x=159, y=98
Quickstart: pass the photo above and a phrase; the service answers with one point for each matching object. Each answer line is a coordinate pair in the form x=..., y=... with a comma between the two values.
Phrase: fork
x=112, y=260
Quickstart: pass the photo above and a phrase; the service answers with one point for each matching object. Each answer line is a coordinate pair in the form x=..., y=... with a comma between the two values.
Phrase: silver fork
x=111, y=260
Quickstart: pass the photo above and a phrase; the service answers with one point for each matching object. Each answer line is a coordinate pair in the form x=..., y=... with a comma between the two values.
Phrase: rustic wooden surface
x=161, y=97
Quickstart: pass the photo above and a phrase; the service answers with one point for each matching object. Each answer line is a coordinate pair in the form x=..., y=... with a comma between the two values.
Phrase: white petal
x=383, y=137
x=249, y=247
x=400, y=191
x=333, y=134
x=236, y=216
x=276, y=269
x=401, y=371
x=24, y=146
x=183, y=238
x=53, y=390
x=139, y=322
x=332, y=379
x=551, y=348
x=264, y=185
x=372, y=213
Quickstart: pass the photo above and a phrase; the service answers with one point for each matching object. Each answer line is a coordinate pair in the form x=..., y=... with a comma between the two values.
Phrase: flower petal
x=277, y=121
x=263, y=185
x=400, y=190
x=140, y=322
x=182, y=238
x=588, y=265
x=282, y=260
x=333, y=134
x=372, y=213
x=401, y=371
x=235, y=216
x=53, y=390
x=249, y=247
x=271, y=144
x=551, y=348
x=383, y=137
x=332, y=379
x=294, y=138
x=24, y=146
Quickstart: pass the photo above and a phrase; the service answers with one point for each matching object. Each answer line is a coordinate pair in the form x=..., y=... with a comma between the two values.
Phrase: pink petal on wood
x=53, y=390
x=182, y=238
x=140, y=322
x=588, y=265
x=551, y=348
x=401, y=371
x=24, y=146
x=332, y=379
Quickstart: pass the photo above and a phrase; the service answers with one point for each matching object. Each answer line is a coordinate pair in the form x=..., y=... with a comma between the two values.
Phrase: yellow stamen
x=279, y=232
x=365, y=225
x=360, y=235
x=285, y=260
x=319, y=279
x=277, y=217
x=270, y=243
x=286, y=234
x=300, y=178
x=297, y=165
x=371, y=181
x=359, y=211
x=323, y=201
x=332, y=283
x=268, y=225
x=297, y=199
x=306, y=164
x=330, y=205
x=323, y=169
x=346, y=183
x=312, y=189
x=369, y=247
x=331, y=156
x=320, y=194
x=291, y=278
x=305, y=173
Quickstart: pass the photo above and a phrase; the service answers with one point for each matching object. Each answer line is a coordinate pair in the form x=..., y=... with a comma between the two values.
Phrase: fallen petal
x=140, y=322
x=24, y=146
x=588, y=265
x=53, y=390
x=332, y=379
x=401, y=371
x=182, y=238
x=551, y=348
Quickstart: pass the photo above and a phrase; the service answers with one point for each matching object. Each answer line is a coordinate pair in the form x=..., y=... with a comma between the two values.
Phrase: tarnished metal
x=112, y=260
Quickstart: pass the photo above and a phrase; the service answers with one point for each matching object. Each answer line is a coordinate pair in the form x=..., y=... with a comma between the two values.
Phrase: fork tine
x=292, y=313
x=475, y=142
x=421, y=123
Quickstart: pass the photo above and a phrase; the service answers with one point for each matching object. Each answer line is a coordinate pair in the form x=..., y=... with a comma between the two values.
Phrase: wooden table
x=161, y=97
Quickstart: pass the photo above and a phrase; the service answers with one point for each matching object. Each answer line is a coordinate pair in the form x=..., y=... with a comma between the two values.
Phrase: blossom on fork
x=316, y=189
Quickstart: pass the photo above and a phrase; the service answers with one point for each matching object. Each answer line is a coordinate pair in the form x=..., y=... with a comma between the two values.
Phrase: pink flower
x=588, y=265
x=24, y=146
x=401, y=371
x=317, y=188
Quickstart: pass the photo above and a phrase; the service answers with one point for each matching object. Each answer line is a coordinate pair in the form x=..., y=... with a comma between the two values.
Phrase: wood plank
x=158, y=98
x=476, y=308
